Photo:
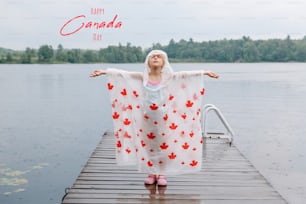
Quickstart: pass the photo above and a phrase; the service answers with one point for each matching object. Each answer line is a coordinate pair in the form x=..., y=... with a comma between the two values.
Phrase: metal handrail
x=210, y=107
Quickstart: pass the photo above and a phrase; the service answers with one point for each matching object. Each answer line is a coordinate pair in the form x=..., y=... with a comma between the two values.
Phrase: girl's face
x=156, y=61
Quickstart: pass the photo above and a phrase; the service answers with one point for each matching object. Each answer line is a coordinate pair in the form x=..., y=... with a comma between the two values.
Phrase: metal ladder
x=229, y=135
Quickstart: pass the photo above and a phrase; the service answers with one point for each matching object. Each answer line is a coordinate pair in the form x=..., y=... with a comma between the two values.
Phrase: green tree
x=61, y=54
x=45, y=53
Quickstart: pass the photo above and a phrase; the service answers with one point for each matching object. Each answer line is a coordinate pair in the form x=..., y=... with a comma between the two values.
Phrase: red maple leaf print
x=164, y=146
x=119, y=144
x=153, y=106
x=194, y=149
x=135, y=94
x=138, y=106
x=185, y=145
x=195, y=96
x=173, y=126
x=202, y=91
x=123, y=92
x=193, y=163
x=126, y=121
x=184, y=116
x=183, y=163
x=114, y=104
x=171, y=97
x=191, y=134
x=129, y=107
x=150, y=164
x=155, y=123
x=160, y=162
x=189, y=104
x=165, y=117
x=198, y=111
x=126, y=135
x=143, y=144
x=151, y=135
x=110, y=86
x=128, y=150
x=146, y=116
x=115, y=115
x=172, y=155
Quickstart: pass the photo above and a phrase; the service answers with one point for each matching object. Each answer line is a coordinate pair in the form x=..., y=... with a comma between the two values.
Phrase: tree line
x=226, y=50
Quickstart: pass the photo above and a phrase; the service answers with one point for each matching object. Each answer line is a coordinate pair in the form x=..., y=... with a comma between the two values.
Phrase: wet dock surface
x=226, y=177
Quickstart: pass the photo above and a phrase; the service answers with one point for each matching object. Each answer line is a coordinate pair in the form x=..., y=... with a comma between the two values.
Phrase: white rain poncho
x=157, y=127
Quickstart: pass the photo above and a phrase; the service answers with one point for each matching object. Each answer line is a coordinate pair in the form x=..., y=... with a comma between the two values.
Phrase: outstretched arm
x=98, y=73
x=211, y=74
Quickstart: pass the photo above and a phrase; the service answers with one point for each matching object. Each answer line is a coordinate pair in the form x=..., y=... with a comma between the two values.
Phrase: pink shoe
x=151, y=179
x=161, y=181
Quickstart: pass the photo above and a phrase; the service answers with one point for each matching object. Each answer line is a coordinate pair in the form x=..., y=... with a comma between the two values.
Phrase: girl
x=157, y=117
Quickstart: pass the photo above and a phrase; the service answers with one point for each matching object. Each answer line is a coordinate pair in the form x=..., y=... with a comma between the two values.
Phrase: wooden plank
x=226, y=177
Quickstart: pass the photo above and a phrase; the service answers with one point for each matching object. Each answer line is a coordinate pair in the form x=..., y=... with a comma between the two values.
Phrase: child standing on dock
x=157, y=117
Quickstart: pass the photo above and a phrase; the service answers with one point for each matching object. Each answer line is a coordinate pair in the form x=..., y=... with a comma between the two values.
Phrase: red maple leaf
x=146, y=116
x=172, y=155
x=184, y=115
x=151, y=135
x=126, y=135
x=119, y=144
x=165, y=117
x=171, y=97
x=185, y=145
x=115, y=115
x=123, y=92
x=191, y=134
x=193, y=163
x=189, y=104
x=164, y=146
x=126, y=121
x=110, y=86
x=143, y=144
x=128, y=150
x=135, y=94
x=129, y=107
x=202, y=91
x=150, y=164
x=153, y=106
x=173, y=126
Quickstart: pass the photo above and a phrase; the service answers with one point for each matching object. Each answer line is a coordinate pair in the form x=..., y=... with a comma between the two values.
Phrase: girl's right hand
x=97, y=73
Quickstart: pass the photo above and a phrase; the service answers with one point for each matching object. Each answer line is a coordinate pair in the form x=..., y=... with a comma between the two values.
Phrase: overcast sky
x=144, y=22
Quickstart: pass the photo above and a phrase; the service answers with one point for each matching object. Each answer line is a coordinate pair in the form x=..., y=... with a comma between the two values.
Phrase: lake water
x=53, y=116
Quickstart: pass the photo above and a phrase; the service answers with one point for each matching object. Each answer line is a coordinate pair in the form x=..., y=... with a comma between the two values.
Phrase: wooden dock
x=226, y=177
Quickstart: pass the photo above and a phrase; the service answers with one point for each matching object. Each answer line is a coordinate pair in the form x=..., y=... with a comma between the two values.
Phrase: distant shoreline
x=244, y=50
